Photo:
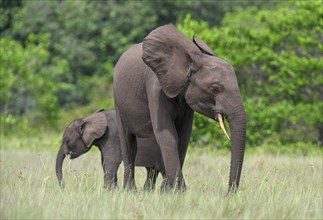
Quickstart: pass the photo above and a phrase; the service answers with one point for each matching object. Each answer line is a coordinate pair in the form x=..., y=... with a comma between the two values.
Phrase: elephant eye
x=80, y=130
x=216, y=88
x=66, y=140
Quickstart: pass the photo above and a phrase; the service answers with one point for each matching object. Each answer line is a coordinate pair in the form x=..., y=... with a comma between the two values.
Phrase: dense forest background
x=57, y=59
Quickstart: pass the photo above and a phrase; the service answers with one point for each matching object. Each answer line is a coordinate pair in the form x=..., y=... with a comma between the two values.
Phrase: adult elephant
x=158, y=84
x=100, y=129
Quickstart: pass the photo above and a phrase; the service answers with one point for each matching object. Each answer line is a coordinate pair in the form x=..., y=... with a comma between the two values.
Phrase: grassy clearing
x=273, y=187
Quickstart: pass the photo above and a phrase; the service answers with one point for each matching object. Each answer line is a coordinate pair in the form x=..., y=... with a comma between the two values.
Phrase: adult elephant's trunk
x=238, y=124
x=59, y=163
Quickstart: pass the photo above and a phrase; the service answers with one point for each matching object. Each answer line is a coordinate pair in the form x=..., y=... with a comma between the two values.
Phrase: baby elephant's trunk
x=59, y=164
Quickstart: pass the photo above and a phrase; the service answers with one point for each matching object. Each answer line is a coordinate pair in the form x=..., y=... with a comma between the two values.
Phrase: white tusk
x=222, y=126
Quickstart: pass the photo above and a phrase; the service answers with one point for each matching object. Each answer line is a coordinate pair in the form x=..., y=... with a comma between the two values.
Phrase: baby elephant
x=100, y=129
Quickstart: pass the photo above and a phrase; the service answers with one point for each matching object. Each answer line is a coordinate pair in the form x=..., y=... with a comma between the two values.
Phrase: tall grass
x=272, y=187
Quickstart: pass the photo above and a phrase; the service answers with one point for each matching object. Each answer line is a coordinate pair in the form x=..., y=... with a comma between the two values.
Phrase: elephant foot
x=180, y=186
x=130, y=186
x=110, y=187
x=149, y=186
x=232, y=190
x=134, y=189
x=61, y=184
x=110, y=183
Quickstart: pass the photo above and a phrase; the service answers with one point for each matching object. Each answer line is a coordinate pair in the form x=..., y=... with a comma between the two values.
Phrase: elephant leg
x=129, y=155
x=110, y=175
x=184, y=130
x=166, y=135
x=156, y=172
x=169, y=148
x=148, y=184
x=128, y=143
x=152, y=174
x=110, y=165
x=105, y=184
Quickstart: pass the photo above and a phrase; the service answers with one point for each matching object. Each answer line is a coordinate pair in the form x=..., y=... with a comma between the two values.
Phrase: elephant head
x=207, y=83
x=78, y=138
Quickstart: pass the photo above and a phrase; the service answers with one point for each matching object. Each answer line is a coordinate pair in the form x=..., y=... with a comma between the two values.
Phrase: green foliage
x=27, y=82
x=279, y=67
x=8, y=8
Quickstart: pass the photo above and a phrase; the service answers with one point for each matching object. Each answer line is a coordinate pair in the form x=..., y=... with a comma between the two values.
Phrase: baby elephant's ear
x=202, y=46
x=95, y=126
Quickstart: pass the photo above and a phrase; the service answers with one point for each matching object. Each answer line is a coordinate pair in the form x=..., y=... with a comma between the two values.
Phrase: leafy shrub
x=27, y=83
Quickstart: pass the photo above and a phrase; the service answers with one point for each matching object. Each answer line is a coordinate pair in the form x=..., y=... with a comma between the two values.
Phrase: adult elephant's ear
x=202, y=46
x=95, y=125
x=169, y=53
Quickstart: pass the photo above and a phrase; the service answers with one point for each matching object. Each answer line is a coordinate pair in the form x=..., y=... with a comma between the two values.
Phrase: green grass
x=272, y=187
